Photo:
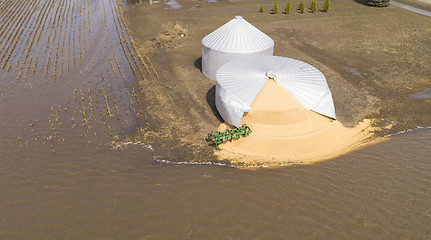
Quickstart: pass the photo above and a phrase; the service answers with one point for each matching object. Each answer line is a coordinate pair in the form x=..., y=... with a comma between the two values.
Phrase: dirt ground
x=374, y=59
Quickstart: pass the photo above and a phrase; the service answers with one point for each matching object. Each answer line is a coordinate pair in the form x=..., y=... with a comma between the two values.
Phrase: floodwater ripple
x=370, y=193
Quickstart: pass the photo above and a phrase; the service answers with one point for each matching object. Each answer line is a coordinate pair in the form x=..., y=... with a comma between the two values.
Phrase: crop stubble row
x=23, y=53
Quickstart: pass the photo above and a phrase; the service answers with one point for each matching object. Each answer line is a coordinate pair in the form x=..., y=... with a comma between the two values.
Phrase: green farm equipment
x=217, y=138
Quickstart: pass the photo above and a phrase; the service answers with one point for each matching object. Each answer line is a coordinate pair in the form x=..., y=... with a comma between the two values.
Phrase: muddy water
x=382, y=191
x=66, y=75
x=61, y=104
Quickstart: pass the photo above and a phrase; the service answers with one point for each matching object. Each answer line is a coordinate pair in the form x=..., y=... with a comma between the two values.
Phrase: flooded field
x=68, y=76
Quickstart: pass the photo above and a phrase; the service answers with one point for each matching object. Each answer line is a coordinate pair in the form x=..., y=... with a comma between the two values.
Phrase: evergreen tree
x=275, y=8
x=326, y=6
x=313, y=6
x=288, y=8
x=301, y=7
x=261, y=9
x=378, y=3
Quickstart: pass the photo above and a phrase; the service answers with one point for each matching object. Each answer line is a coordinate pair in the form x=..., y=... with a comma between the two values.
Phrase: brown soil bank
x=373, y=59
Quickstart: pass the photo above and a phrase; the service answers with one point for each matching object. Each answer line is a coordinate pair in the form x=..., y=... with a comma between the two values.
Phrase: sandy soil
x=373, y=59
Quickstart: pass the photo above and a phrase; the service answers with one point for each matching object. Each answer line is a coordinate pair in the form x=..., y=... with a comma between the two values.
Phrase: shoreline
x=256, y=162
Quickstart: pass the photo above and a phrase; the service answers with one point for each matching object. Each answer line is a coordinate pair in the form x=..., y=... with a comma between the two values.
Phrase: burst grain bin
x=240, y=81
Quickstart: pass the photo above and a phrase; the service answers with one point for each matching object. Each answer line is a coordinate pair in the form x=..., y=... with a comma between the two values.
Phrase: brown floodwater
x=379, y=192
x=61, y=105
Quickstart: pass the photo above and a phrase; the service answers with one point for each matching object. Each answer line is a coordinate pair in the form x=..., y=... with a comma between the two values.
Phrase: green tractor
x=217, y=138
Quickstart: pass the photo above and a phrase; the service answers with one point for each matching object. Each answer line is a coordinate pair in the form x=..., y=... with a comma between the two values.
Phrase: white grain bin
x=234, y=39
x=239, y=82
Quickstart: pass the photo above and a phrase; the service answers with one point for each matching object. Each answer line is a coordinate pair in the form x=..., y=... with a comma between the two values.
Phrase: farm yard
x=374, y=59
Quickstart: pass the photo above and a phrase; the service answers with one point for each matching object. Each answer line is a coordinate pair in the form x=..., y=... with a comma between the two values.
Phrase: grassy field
x=373, y=59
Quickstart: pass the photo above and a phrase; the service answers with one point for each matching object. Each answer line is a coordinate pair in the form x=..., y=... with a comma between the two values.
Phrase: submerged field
x=67, y=70
x=374, y=60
